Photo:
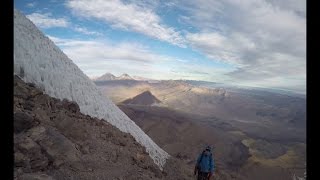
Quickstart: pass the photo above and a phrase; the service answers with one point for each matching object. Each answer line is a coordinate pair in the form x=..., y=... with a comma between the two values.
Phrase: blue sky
x=259, y=43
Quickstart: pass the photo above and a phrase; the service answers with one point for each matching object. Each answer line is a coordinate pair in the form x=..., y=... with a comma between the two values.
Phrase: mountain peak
x=106, y=77
x=125, y=77
x=105, y=74
x=146, y=98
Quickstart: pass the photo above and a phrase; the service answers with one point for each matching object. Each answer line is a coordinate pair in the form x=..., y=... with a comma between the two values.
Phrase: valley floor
x=237, y=154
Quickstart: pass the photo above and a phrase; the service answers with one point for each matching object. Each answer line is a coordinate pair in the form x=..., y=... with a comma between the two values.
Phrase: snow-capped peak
x=38, y=60
x=125, y=77
x=106, y=77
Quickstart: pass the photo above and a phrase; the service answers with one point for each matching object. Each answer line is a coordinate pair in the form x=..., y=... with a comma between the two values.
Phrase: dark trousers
x=203, y=175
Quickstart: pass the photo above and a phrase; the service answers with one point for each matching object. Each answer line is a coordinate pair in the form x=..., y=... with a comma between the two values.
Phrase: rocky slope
x=54, y=140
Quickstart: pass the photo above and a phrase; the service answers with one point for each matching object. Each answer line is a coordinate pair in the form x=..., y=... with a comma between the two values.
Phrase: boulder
x=22, y=121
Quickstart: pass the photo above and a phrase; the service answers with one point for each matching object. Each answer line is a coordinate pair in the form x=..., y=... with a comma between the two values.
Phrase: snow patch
x=38, y=60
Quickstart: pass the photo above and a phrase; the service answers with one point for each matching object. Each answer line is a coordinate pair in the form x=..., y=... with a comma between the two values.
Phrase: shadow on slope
x=145, y=98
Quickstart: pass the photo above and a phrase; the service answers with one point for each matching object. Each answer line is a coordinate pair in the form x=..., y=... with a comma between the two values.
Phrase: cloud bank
x=127, y=16
x=47, y=21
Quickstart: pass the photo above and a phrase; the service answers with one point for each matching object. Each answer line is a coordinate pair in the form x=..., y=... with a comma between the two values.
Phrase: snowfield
x=38, y=60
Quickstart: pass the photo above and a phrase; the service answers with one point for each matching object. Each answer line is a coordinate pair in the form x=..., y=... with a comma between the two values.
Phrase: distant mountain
x=145, y=98
x=111, y=77
x=240, y=106
x=106, y=77
x=125, y=77
x=140, y=78
x=245, y=89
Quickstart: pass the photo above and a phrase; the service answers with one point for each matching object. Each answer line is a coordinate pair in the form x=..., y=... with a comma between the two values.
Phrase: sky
x=257, y=43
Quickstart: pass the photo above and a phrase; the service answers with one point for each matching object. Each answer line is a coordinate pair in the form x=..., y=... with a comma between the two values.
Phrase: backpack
x=202, y=154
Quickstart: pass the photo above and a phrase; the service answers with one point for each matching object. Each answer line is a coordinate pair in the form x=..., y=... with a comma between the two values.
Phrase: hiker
x=205, y=164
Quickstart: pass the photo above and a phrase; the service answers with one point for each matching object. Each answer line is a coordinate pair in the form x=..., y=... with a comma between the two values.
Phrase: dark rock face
x=72, y=106
x=22, y=121
x=54, y=140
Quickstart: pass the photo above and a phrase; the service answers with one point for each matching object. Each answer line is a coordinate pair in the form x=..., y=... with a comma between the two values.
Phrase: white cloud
x=296, y=6
x=96, y=57
x=46, y=21
x=198, y=72
x=31, y=5
x=147, y=4
x=127, y=16
x=266, y=40
x=219, y=47
x=170, y=4
x=86, y=31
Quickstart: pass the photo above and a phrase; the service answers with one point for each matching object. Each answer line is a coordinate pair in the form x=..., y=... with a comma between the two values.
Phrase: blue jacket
x=206, y=164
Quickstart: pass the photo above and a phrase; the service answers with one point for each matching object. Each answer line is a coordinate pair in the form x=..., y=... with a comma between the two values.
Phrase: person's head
x=207, y=150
